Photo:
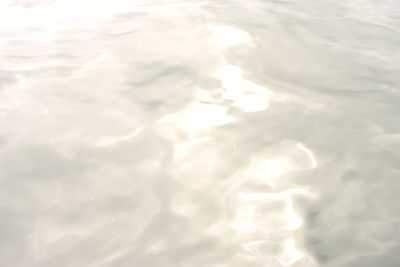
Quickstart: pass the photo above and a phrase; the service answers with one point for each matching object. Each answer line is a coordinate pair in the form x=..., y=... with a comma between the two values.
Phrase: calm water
x=254, y=133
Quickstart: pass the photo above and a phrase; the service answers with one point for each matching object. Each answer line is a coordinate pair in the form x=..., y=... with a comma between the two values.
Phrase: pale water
x=199, y=133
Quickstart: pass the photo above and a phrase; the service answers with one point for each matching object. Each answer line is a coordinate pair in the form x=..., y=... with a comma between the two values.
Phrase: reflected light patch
x=244, y=226
x=245, y=94
x=225, y=36
x=252, y=245
x=293, y=220
x=309, y=153
x=203, y=95
x=106, y=141
x=268, y=168
x=182, y=148
x=198, y=117
x=289, y=254
x=244, y=221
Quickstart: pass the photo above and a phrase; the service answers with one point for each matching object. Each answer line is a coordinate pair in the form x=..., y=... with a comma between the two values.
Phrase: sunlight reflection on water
x=186, y=134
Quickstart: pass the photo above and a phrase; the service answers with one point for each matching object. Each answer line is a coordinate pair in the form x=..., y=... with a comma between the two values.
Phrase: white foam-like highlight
x=290, y=254
x=106, y=141
x=294, y=220
x=309, y=153
x=268, y=169
x=249, y=203
x=245, y=94
x=226, y=36
x=198, y=117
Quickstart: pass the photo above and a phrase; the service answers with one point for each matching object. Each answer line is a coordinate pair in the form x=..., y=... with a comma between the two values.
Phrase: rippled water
x=199, y=134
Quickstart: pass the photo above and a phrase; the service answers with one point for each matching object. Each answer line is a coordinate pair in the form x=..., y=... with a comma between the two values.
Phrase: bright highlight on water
x=169, y=133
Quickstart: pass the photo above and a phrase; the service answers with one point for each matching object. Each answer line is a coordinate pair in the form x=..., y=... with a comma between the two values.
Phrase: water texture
x=223, y=133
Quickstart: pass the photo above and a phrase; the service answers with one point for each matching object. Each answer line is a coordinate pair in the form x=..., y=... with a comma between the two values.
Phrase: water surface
x=199, y=134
